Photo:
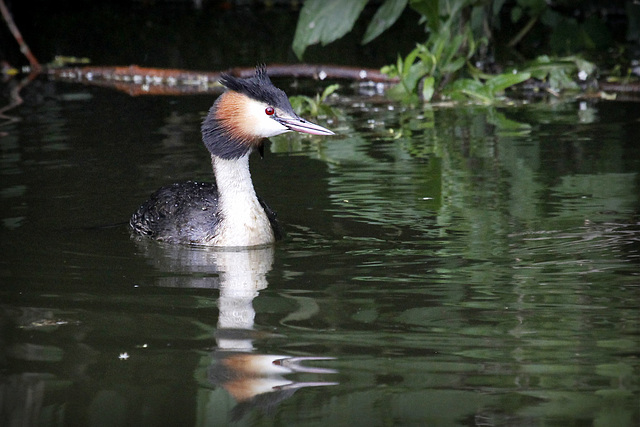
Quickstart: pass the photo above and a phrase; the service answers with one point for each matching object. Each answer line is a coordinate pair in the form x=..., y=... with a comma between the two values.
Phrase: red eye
x=269, y=111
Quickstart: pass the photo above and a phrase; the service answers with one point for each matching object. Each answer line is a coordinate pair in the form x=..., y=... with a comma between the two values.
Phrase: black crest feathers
x=258, y=87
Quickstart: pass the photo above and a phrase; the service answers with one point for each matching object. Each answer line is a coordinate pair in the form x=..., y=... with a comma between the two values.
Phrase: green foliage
x=532, y=8
x=430, y=10
x=459, y=33
x=428, y=64
x=324, y=21
x=430, y=67
x=385, y=17
x=314, y=107
x=485, y=92
x=560, y=73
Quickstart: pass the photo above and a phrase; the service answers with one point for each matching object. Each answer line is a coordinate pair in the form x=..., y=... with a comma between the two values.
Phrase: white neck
x=244, y=222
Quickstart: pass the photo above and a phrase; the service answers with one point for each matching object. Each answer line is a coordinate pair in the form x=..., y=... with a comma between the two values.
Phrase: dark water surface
x=463, y=265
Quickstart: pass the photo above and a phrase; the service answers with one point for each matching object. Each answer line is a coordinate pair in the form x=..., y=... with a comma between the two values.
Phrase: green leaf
x=400, y=92
x=451, y=49
x=516, y=14
x=453, y=66
x=385, y=17
x=429, y=9
x=409, y=60
x=301, y=104
x=324, y=21
x=497, y=7
x=428, y=88
x=390, y=70
x=473, y=89
x=534, y=7
x=328, y=91
x=465, y=86
x=499, y=83
x=414, y=74
x=584, y=65
x=559, y=79
x=505, y=126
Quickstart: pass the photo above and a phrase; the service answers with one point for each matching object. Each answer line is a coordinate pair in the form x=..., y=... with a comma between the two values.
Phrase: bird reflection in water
x=254, y=380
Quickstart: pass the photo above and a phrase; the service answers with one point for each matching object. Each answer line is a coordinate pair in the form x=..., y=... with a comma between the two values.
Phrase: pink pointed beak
x=299, y=124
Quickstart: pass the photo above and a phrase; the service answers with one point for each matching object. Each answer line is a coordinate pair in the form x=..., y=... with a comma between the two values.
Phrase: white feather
x=244, y=221
x=261, y=123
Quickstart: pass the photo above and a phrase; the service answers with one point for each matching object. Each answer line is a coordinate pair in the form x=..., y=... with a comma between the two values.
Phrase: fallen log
x=136, y=80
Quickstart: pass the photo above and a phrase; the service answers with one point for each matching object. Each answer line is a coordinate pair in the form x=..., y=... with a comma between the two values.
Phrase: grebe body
x=227, y=213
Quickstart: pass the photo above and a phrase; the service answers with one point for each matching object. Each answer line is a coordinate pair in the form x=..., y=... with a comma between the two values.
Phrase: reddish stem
x=24, y=48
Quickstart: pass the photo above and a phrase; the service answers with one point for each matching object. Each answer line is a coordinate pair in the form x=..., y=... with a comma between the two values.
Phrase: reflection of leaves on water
x=593, y=197
x=581, y=250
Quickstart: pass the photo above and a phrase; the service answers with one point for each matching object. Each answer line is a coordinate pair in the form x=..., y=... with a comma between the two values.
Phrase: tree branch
x=523, y=32
x=24, y=48
x=136, y=80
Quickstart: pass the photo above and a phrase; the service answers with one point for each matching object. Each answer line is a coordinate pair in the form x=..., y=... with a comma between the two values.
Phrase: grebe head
x=249, y=111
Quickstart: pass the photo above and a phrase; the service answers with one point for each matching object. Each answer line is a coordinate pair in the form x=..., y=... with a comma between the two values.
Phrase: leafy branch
x=459, y=33
x=316, y=106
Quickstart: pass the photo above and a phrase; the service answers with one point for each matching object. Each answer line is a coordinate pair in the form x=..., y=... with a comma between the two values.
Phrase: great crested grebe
x=227, y=213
